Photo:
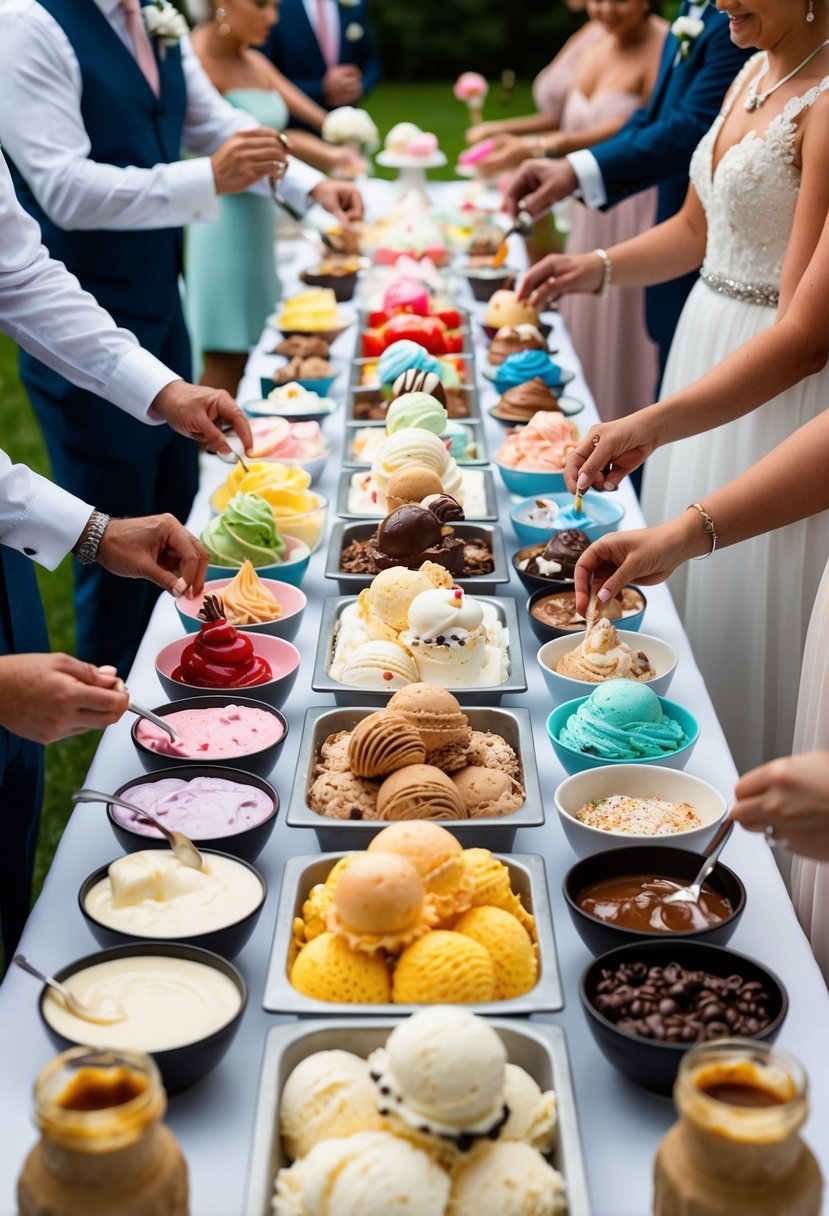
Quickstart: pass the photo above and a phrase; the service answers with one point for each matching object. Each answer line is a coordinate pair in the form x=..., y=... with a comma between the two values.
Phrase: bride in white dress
x=757, y=201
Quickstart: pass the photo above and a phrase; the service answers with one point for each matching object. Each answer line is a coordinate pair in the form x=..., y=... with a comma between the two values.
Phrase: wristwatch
x=86, y=551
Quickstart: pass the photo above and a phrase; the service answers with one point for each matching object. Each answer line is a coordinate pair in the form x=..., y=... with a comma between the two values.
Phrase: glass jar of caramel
x=735, y=1150
x=103, y=1149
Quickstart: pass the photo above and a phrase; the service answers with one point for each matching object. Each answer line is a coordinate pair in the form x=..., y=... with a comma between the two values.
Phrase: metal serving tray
x=342, y=534
x=490, y=514
x=529, y=883
x=513, y=725
x=356, y=462
x=344, y=694
x=538, y=1047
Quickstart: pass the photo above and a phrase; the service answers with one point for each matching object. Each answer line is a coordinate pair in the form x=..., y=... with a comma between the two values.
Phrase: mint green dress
x=231, y=278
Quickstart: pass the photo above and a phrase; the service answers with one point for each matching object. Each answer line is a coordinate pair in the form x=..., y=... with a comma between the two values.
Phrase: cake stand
x=411, y=170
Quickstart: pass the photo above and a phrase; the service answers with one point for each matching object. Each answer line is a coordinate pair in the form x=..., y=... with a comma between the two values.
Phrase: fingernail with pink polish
x=604, y=595
x=583, y=482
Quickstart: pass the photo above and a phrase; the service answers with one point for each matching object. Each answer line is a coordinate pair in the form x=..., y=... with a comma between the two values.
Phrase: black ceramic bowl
x=247, y=844
x=226, y=941
x=546, y=633
x=537, y=582
x=678, y=864
x=182, y=1066
x=652, y=1063
x=260, y=762
x=342, y=285
x=484, y=281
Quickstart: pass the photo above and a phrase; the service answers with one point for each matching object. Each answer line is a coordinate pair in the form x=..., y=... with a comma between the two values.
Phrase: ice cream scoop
x=220, y=656
x=247, y=600
x=510, y=339
x=542, y=446
x=411, y=485
x=378, y=664
x=508, y=1179
x=523, y=401
x=417, y=381
x=328, y=1094
x=382, y=743
x=622, y=720
x=379, y=904
x=601, y=655
x=419, y=791
x=504, y=308
x=527, y=365
x=435, y=712
x=245, y=531
x=283, y=487
x=416, y=410
x=400, y=356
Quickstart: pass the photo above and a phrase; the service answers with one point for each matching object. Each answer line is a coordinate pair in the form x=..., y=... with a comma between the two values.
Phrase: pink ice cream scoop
x=422, y=145
x=470, y=85
x=542, y=446
x=278, y=439
x=407, y=295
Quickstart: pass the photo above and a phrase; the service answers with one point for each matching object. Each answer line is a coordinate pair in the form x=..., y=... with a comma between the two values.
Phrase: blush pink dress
x=553, y=83
x=619, y=360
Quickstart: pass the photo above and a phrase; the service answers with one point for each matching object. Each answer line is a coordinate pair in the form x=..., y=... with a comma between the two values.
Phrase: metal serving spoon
x=690, y=894
x=98, y=1016
x=182, y=845
x=156, y=719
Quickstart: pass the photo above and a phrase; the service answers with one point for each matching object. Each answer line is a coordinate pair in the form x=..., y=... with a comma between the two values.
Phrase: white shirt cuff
x=53, y=522
x=591, y=184
x=136, y=382
x=193, y=190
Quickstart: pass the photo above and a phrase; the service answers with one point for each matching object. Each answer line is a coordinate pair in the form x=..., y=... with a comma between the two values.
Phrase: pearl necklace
x=754, y=99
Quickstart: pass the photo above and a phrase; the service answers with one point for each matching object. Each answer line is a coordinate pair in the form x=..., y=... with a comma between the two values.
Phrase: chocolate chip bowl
x=648, y=1002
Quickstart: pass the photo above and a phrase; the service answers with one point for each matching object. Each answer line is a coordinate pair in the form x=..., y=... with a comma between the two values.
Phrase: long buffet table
x=620, y=1125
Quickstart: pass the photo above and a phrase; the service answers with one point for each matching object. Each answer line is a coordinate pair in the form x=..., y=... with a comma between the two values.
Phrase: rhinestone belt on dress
x=749, y=293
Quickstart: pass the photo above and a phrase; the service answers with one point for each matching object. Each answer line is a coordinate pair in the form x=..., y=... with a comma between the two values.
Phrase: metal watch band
x=87, y=550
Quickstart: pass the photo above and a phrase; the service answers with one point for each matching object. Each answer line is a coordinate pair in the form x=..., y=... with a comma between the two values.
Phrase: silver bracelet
x=87, y=549
x=707, y=527
x=603, y=289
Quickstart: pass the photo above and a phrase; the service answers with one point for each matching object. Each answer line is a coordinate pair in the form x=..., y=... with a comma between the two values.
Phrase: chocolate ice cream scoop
x=446, y=508
x=408, y=529
x=520, y=403
x=416, y=381
x=566, y=547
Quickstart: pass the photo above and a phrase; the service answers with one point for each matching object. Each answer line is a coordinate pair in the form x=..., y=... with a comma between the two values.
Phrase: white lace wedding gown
x=746, y=610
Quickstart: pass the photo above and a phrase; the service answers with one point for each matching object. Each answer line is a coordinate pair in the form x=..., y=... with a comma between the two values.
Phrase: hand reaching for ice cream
x=610, y=451
x=197, y=412
x=44, y=697
x=342, y=199
x=538, y=185
x=560, y=274
x=155, y=547
x=790, y=796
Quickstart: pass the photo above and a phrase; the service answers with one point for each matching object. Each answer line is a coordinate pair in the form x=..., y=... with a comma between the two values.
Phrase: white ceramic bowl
x=638, y=781
x=561, y=688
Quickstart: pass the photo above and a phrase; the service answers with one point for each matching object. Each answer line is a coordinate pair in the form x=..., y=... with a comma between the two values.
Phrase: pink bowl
x=282, y=656
x=293, y=603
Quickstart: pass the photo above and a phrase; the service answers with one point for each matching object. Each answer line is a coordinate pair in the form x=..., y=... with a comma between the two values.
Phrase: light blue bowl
x=530, y=484
x=313, y=386
x=604, y=511
x=579, y=762
x=292, y=570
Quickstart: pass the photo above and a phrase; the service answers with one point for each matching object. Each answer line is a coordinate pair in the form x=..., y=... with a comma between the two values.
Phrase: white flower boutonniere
x=354, y=31
x=165, y=23
x=686, y=30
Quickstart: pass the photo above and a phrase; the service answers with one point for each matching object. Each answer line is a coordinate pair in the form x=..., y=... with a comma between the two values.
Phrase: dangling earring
x=224, y=28
x=810, y=16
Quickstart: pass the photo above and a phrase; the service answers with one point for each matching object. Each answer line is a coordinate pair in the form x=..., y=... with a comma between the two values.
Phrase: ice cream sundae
x=220, y=656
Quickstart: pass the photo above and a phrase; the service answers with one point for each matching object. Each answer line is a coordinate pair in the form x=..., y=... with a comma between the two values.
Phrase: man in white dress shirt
x=96, y=103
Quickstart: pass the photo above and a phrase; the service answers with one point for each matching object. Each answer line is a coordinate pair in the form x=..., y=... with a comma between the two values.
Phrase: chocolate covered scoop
x=520, y=403
x=408, y=529
x=416, y=381
x=446, y=508
x=566, y=547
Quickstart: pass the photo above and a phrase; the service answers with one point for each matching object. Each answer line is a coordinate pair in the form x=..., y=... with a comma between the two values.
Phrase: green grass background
x=432, y=107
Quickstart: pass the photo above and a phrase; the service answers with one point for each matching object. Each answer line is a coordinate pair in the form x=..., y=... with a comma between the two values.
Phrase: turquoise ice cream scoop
x=622, y=720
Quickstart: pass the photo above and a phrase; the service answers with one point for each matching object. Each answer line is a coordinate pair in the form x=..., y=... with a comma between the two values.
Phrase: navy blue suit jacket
x=655, y=145
x=292, y=46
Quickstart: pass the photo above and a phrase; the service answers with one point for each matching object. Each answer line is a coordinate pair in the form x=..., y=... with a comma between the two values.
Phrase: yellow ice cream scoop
x=508, y=945
x=443, y=968
x=491, y=885
x=284, y=487
x=379, y=904
x=327, y=969
x=438, y=857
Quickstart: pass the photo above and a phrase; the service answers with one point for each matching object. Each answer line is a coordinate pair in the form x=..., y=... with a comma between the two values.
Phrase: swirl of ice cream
x=520, y=403
x=220, y=656
x=527, y=365
x=247, y=600
x=245, y=531
x=622, y=720
x=400, y=356
x=565, y=548
x=412, y=446
x=419, y=410
x=510, y=339
x=542, y=446
x=283, y=487
x=278, y=439
x=601, y=656
x=292, y=398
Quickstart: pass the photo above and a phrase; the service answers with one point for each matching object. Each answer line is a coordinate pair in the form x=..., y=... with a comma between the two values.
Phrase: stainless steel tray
x=342, y=534
x=490, y=514
x=529, y=882
x=344, y=694
x=514, y=725
x=371, y=393
x=356, y=462
x=538, y=1047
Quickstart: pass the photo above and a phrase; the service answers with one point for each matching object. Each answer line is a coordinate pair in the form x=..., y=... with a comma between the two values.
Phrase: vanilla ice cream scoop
x=508, y=1179
x=444, y=610
x=532, y=1113
x=328, y=1094
x=443, y=1071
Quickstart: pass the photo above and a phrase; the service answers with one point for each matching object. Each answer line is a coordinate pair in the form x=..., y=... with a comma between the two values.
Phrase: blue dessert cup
x=573, y=761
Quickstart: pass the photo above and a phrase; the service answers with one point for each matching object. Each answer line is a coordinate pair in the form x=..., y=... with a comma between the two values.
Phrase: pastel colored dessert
x=399, y=136
x=622, y=720
x=602, y=656
x=220, y=656
x=420, y=410
x=526, y=365
x=247, y=601
x=412, y=448
x=245, y=531
x=203, y=807
x=328, y=1094
x=403, y=356
x=406, y=294
x=288, y=442
x=508, y=1179
x=546, y=513
x=512, y=339
x=542, y=446
x=283, y=487
x=310, y=311
x=213, y=734
x=293, y=398
x=504, y=308
x=557, y=558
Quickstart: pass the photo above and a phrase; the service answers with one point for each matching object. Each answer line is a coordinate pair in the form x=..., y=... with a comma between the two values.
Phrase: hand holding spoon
x=99, y=1016
x=182, y=845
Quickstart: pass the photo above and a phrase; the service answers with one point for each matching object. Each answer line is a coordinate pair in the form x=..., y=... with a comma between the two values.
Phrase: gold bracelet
x=604, y=287
x=707, y=527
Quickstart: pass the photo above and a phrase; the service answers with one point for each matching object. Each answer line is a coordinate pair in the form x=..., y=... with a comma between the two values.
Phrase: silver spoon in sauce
x=142, y=712
x=100, y=1017
x=182, y=845
x=691, y=893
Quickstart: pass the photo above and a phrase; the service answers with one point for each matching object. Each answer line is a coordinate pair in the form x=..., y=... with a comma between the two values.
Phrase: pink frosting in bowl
x=216, y=729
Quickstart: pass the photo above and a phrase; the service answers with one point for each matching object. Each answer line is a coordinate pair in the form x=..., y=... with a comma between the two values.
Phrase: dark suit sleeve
x=367, y=59
x=646, y=152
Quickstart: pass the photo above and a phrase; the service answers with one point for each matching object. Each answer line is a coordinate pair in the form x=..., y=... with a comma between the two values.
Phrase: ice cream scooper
x=100, y=1017
x=182, y=845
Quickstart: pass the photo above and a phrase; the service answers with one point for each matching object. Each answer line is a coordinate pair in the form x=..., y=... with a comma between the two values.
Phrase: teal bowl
x=579, y=762
x=291, y=570
x=313, y=386
x=529, y=484
x=604, y=512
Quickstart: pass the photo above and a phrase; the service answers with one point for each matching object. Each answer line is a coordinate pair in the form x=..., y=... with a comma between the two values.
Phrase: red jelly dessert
x=221, y=656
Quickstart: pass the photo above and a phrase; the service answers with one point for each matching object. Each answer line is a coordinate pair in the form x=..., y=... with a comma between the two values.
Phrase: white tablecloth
x=621, y=1125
